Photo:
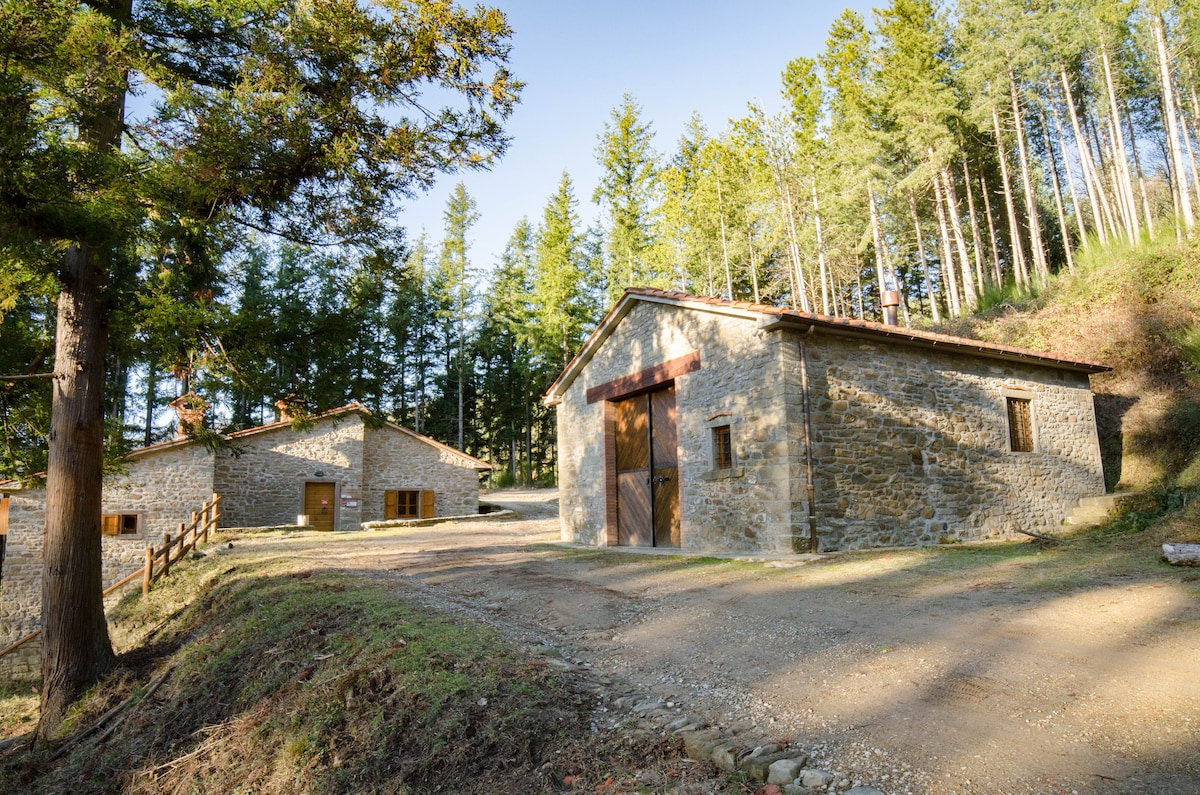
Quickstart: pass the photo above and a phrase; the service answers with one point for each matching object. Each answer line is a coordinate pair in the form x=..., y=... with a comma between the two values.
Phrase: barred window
x=722, y=442
x=1020, y=428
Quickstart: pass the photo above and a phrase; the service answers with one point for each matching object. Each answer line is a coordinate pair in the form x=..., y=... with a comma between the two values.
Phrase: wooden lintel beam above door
x=650, y=377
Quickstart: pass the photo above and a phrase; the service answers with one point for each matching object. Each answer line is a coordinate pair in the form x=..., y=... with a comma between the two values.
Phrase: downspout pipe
x=810, y=490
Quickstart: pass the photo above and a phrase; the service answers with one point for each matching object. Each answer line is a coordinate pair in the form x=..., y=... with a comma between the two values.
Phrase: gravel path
x=913, y=685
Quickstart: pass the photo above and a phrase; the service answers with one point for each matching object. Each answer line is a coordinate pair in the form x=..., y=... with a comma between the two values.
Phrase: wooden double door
x=647, y=445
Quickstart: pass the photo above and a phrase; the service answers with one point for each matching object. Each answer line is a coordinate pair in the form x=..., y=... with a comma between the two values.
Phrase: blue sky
x=578, y=59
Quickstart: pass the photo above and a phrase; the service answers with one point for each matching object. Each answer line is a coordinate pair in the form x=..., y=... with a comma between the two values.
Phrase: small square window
x=119, y=524
x=722, y=442
x=1020, y=427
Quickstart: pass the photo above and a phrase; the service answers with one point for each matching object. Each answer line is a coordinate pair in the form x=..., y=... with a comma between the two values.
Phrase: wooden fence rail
x=191, y=535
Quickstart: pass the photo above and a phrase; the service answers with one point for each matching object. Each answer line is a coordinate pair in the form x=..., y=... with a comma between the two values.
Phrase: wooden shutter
x=110, y=524
x=389, y=505
x=426, y=504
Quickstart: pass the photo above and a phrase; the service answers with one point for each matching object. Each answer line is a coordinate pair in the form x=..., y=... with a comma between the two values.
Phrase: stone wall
x=261, y=479
x=740, y=383
x=162, y=487
x=910, y=445
x=394, y=459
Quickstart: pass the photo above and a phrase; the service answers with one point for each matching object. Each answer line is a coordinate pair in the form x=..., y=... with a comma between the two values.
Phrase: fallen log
x=1181, y=554
x=1042, y=537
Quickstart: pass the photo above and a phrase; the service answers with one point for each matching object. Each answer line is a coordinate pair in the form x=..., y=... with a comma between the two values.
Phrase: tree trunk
x=1062, y=146
x=1058, y=200
x=976, y=241
x=1091, y=178
x=1041, y=267
x=912, y=208
x=1020, y=273
x=724, y=245
x=1116, y=146
x=969, y=291
x=997, y=276
x=76, y=650
x=1120, y=159
x=1169, y=117
x=820, y=248
x=753, y=268
x=801, y=284
x=949, y=278
x=1137, y=167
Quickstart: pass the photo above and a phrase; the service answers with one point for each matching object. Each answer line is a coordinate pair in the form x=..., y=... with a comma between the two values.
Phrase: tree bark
x=933, y=305
x=1062, y=146
x=976, y=240
x=1091, y=179
x=969, y=291
x=76, y=650
x=997, y=276
x=1120, y=160
x=820, y=248
x=1037, y=248
x=1020, y=273
x=949, y=279
x=1169, y=116
x=1137, y=167
x=1058, y=200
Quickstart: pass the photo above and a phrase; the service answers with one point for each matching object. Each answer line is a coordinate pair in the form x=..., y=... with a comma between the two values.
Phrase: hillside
x=1138, y=311
x=282, y=678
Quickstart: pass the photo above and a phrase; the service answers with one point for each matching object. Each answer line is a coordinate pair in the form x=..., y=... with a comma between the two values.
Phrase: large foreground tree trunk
x=76, y=650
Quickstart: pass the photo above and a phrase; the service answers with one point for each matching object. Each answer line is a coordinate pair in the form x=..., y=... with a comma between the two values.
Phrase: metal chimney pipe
x=890, y=299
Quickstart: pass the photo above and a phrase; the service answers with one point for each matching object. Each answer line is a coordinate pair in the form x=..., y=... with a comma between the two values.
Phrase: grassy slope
x=1137, y=310
x=289, y=680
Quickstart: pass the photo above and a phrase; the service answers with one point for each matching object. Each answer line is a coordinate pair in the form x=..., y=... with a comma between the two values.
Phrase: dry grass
x=1137, y=310
x=287, y=679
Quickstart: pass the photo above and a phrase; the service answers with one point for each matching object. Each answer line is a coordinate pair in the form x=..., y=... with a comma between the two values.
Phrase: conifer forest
x=958, y=153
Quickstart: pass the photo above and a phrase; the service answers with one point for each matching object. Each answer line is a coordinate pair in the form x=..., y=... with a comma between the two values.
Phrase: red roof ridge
x=869, y=325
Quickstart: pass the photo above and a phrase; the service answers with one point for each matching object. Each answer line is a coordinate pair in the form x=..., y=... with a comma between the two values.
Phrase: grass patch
x=18, y=706
x=288, y=679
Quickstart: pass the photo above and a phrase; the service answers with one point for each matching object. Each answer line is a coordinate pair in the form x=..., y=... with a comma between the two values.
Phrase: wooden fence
x=159, y=561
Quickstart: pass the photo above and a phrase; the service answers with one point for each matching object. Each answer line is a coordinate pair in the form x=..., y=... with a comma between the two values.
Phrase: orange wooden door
x=319, y=504
x=647, y=470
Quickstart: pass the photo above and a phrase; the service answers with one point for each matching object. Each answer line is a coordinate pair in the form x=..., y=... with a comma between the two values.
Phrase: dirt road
x=912, y=671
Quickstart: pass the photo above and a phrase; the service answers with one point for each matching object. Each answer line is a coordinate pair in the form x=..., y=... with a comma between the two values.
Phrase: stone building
x=713, y=425
x=340, y=469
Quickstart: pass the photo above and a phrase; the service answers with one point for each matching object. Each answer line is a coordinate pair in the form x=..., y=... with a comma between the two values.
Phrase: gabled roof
x=352, y=408
x=774, y=317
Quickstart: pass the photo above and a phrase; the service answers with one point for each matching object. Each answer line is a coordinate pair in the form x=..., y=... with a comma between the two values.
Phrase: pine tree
x=628, y=191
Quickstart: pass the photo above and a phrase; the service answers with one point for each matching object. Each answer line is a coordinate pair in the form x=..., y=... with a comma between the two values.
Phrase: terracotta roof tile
x=863, y=328
x=868, y=326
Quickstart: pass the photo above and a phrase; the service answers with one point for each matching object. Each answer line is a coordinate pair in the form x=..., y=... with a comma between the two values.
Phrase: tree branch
x=27, y=377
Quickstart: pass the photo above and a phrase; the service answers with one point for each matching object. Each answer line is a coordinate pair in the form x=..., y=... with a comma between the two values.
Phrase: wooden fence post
x=166, y=552
x=148, y=571
x=204, y=526
x=182, y=533
x=216, y=511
